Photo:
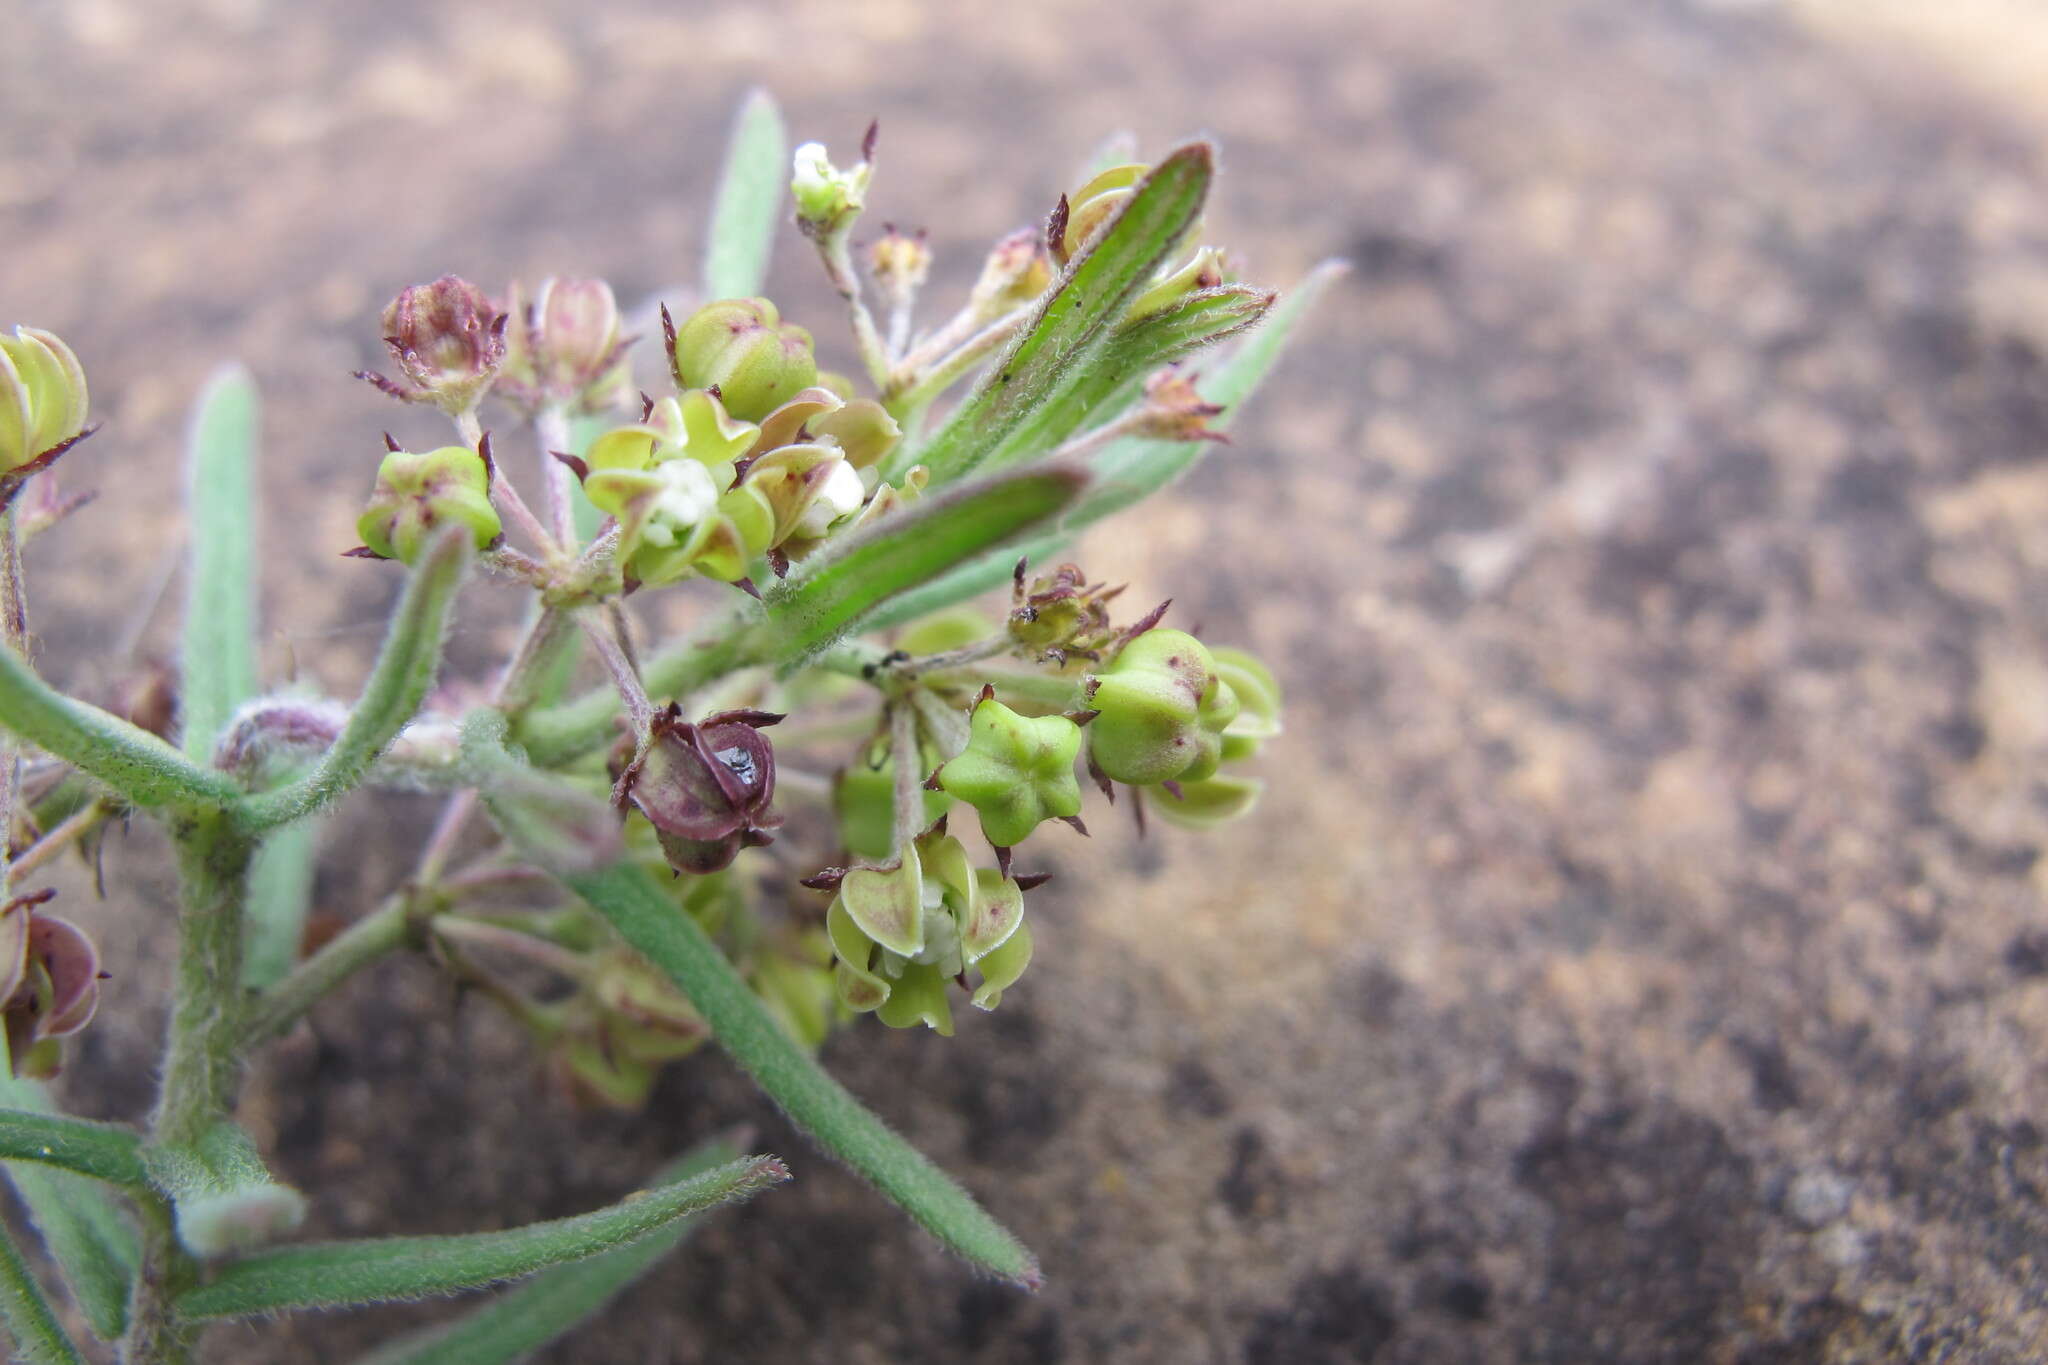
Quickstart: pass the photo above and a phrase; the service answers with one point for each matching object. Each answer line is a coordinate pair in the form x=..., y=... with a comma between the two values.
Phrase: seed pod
x=1163, y=710
x=707, y=788
x=1016, y=771
x=448, y=339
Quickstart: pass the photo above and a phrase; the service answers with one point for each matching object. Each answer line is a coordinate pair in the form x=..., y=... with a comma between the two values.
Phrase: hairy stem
x=551, y=433
x=874, y=355
x=385, y=931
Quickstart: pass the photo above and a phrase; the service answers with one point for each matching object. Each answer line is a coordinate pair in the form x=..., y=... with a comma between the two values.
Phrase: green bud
x=1162, y=711
x=1016, y=771
x=827, y=198
x=742, y=347
x=42, y=395
x=416, y=494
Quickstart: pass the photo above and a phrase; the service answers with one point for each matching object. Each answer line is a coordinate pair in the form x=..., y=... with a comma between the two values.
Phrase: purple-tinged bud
x=449, y=341
x=1173, y=411
x=1014, y=274
x=563, y=348
x=707, y=788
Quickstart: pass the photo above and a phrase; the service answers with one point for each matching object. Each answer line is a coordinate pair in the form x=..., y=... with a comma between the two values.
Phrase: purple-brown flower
x=49, y=982
x=706, y=788
x=449, y=341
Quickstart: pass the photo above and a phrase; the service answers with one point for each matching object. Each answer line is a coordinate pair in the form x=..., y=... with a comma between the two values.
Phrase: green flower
x=1016, y=771
x=902, y=933
x=668, y=479
x=416, y=494
x=742, y=348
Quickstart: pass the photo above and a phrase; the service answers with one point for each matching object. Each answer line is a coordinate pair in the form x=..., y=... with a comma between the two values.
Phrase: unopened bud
x=743, y=349
x=449, y=341
x=1090, y=208
x=1173, y=411
x=1014, y=274
x=416, y=494
x=827, y=198
x=901, y=262
x=563, y=347
x=42, y=396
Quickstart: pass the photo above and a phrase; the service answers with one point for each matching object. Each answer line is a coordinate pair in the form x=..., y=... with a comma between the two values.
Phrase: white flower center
x=840, y=495
x=685, y=498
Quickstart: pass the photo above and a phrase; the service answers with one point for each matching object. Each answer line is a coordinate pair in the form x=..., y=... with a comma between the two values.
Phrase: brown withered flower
x=49, y=982
x=1060, y=615
x=449, y=341
x=707, y=787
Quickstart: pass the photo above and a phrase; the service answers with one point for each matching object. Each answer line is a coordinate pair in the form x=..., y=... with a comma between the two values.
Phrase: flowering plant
x=833, y=528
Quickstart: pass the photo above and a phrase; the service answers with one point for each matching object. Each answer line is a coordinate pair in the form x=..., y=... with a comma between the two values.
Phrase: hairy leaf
x=627, y=896
x=378, y=1270
x=219, y=655
x=405, y=669
x=37, y=1336
x=744, y=216
x=100, y=1150
x=837, y=588
x=555, y=1302
x=86, y=1232
x=1008, y=408
x=1133, y=469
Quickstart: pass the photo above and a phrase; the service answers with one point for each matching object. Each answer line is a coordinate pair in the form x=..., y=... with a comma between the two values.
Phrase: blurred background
x=1640, y=953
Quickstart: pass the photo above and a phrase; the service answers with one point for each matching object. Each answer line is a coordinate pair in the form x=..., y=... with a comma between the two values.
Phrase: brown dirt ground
x=1640, y=957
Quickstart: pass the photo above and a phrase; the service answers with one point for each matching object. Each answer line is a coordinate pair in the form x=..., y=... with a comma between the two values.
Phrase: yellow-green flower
x=42, y=395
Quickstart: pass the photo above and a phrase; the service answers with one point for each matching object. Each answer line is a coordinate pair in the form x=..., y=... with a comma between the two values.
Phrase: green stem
x=369, y=939
x=154, y=1336
x=556, y=735
x=204, y=1054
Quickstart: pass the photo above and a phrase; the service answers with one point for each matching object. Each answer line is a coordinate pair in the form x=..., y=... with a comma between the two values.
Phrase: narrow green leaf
x=744, y=217
x=280, y=895
x=834, y=590
x=379, y=1270
x=37, y=1336
x=1075, y=321
x=1134, y=469
x=220, y=598
x=1105, y=387
x=405, y=669
x=100, y=1150
x=87, y=1234
x=628, y=897
x=138, y=766
x=554, y=1302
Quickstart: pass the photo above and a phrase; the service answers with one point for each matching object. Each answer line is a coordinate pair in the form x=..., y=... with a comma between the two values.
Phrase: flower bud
x=1172, y=410
x=1090, y=208
x=42, y=396
x=827, y=198
x=1163, y=710
x=1014, y=274
x=900, y=263
x=417, y=494
x=563, y=347
x=449, y=341
x=1016, y=771
x=743, y=349
x=1060, y=613
x=706, y=788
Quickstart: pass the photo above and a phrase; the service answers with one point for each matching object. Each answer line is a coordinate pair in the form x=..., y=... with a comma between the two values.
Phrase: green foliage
x=86, y=1234
x=1025, y=400
x=382, y=1270
x=557, y=1300
x=38, y=1337
x=745, y=213
x=219, y=654
x=100, y=1150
